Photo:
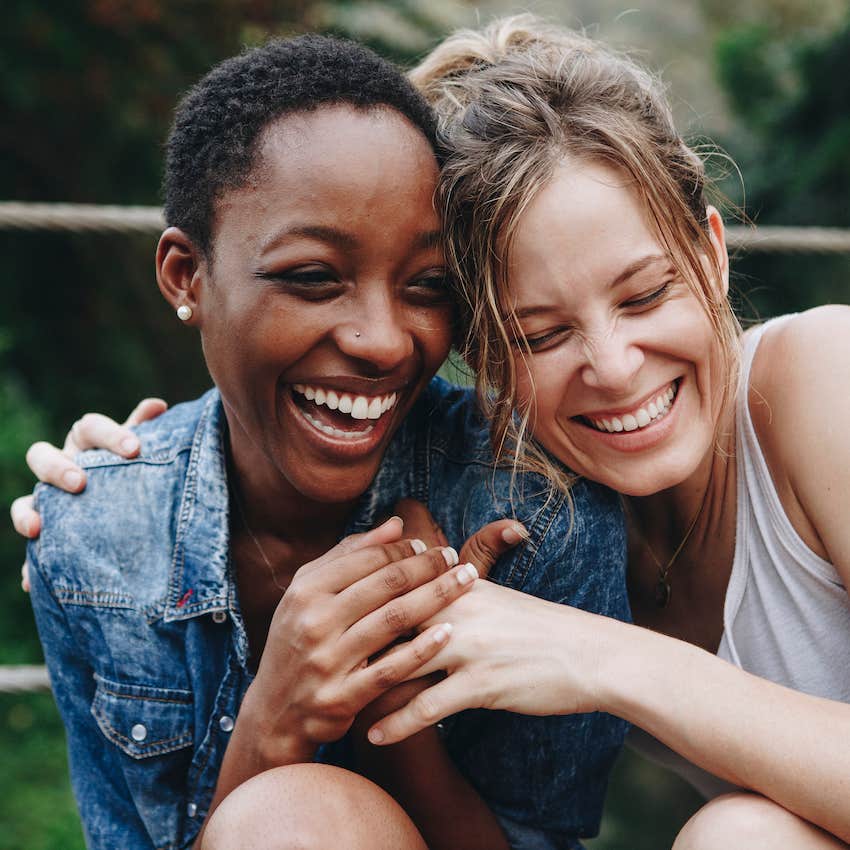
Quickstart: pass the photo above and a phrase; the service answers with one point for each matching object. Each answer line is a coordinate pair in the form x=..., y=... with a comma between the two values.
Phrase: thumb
x=489, y=543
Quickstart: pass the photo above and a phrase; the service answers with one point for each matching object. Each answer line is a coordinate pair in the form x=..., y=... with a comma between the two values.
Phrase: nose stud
x=357, y=334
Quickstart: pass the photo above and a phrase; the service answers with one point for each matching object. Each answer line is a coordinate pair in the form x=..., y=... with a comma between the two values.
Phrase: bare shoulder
x=799, y=398
x=801, y=358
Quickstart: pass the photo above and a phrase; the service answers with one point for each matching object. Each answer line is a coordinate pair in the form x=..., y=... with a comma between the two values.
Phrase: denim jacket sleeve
x=99, y=784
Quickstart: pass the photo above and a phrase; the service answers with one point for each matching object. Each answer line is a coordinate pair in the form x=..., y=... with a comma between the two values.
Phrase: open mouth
x=339, y=414
x=650, y=412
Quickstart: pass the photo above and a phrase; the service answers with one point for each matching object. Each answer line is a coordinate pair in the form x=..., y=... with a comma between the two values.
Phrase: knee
x=302, y=807
x=743, y=821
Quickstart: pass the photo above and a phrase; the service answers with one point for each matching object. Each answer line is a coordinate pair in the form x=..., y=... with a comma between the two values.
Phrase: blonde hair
x=513, y=100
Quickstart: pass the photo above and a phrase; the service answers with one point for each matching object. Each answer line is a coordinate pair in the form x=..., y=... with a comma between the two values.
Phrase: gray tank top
x=787, y=613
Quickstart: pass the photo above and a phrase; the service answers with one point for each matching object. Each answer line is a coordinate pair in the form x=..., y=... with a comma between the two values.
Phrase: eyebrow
x=340, y=238
x=320, y=232
x=633, y=268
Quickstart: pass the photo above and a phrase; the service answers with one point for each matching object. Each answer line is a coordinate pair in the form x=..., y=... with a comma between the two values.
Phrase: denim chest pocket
x=153, y=730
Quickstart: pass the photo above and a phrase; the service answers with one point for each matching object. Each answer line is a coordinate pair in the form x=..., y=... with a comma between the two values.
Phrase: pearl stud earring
x=184, y=312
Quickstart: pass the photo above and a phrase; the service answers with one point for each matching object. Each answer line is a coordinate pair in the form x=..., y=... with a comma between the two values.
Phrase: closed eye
x=650, y=298
x=311, y=282
x=431, y=288
x=548, y=339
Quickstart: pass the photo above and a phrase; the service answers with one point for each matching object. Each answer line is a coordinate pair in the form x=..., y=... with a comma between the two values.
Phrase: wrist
x=272, y=742
x=639, y=672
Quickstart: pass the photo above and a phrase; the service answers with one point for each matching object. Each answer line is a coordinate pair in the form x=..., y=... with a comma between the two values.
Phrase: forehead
x=586, y=224
x=337, y=164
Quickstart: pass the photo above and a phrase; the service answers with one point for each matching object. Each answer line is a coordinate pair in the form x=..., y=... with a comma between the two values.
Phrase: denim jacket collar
x=199, y=579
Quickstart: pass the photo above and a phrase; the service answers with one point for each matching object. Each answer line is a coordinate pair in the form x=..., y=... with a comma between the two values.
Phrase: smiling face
x=625, y=372
x=323, y=309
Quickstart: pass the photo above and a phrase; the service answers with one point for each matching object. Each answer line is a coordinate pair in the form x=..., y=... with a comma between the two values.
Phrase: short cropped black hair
x=213, y=142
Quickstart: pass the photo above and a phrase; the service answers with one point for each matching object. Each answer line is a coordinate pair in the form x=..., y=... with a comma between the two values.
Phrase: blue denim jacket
x=136, y=605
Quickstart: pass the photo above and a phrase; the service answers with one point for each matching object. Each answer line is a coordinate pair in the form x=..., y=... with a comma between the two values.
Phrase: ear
x=179, y=267
x=717, y=234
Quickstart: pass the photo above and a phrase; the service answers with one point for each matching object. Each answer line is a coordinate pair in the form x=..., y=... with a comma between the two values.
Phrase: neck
x=699, y=501
x=274, y=508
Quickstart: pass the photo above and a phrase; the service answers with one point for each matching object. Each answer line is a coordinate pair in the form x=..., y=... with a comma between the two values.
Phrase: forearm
x=786, y=745
x=446, y=809
x=253, y=749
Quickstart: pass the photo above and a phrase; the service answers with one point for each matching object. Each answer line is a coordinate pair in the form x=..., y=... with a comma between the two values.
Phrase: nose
x=376, y=333
x=612, y=361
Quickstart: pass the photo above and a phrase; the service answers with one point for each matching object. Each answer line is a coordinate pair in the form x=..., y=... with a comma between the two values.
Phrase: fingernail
x=450, y=555
x=513, y=534
x=129, y=445
x=397, y=518
x=418, y=546
x=72, y=479
x=443, y=632
x=467, y=574
x=376, y=736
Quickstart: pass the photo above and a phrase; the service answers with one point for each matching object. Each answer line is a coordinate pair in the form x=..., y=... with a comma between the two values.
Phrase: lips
x=653, y=409
x=343, y=420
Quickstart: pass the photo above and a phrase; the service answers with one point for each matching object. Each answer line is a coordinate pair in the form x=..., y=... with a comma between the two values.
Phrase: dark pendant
x=662, y=593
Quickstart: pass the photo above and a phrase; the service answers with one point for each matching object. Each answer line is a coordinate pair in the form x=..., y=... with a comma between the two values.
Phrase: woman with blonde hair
x=593, y=278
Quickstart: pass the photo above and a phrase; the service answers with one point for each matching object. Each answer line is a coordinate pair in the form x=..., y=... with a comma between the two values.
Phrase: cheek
x=434, y=330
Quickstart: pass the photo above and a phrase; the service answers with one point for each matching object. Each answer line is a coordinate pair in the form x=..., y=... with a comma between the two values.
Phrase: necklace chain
x=266, y=561
x=663, y=588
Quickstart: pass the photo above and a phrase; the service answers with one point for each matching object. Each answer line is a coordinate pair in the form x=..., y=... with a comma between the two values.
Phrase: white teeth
x=360, y=408
x=335, y=432
x=640, y=418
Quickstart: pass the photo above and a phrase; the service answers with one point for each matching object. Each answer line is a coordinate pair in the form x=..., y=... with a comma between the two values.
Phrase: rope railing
x=117, y=219
x=22, y=678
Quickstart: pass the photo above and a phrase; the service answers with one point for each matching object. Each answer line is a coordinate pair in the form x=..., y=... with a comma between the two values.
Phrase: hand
x=56, y=466
x=509, y=651
x=340, y=610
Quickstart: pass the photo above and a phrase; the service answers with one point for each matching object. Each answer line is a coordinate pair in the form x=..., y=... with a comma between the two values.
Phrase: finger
x=452, y=694
x=53, y=467
x=25, y=577
x=489, y=543
x=96, y=431
x=339, y=575
x=395, y=579
x=146, y=409
x=387, y=532
x=25, y=519
x=377, y=630
x=400, y=665
x=418, y=522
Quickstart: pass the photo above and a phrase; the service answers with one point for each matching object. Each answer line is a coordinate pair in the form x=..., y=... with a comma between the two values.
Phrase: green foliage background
x=86, y=91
